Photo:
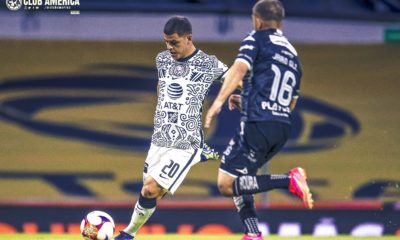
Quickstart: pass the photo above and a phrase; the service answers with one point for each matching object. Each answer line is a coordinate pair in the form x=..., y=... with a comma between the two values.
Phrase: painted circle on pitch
x=331, y=126
x=174, y=91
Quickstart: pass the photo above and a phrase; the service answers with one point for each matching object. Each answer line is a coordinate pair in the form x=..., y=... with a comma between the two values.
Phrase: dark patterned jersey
x=273, y=78
x=184, y=84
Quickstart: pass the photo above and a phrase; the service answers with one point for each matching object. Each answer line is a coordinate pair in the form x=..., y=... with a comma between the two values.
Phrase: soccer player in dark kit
x=268, y=69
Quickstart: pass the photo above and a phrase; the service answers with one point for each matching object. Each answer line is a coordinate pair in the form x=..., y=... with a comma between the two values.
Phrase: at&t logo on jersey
x=173, y=106
x=174, y=91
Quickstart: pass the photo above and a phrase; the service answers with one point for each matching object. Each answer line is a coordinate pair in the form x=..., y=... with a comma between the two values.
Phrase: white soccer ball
x=97, y=225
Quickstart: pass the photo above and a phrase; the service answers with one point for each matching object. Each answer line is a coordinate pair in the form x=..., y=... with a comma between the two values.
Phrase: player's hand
x=235, y=101
x=212, y=111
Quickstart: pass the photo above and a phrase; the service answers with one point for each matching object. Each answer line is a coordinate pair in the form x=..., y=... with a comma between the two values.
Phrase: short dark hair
x=269, y=10
x=179, y=25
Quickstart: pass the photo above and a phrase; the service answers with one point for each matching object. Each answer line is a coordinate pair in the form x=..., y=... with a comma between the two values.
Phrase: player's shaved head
x=179, y=25
x=269, y=10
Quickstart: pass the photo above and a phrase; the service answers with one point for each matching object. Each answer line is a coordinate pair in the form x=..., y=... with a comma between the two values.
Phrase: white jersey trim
x=245, y=62
x=230, y=174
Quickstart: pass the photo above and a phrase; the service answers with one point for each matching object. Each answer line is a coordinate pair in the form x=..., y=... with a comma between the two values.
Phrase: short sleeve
x=220, y=71
x=248, y=51
x=158, y=60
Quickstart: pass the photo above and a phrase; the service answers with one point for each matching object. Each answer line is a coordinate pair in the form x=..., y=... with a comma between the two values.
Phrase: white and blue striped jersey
x=273, y=79
x=183, y=86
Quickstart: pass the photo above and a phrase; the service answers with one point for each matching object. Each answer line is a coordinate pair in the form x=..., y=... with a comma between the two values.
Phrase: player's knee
x=225, y=188
x=151, y=191
x=147, y=192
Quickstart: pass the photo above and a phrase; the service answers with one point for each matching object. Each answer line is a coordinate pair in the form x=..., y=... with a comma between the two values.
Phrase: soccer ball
x=97, y=225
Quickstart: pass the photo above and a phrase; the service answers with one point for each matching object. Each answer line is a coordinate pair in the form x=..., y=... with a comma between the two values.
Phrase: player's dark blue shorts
x=254, y=144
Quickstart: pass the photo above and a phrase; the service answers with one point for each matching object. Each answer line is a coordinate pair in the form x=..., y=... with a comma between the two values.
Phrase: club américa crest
x=71, y=5
x=14, y=5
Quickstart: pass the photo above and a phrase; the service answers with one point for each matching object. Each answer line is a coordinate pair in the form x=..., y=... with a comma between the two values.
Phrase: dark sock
x=250, y=184
x=245, y=207
x=147, y=202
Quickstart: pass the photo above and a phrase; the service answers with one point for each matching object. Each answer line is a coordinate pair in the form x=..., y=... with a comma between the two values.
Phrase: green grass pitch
x=175, y=237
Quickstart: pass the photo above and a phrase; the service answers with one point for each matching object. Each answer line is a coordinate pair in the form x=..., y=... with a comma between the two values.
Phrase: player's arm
x=222, y=80
x=233, y=80
x=235, y=101
x=296, y=93
x=158, y=61
x=222, y=66
x=293, y=103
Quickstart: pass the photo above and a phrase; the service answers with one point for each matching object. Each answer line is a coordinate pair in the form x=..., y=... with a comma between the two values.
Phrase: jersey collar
x=188, y=57
x=273, y=30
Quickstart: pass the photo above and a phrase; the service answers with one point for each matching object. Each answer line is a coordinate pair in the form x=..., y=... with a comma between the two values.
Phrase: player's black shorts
x=254, y=144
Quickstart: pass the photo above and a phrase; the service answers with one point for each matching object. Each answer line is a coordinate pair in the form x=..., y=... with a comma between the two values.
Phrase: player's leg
x=165, y=172
x=275, y=135
x=225, y=182
x=248, y=151
x=251, y=183
x=245, y=207
x=144, y=208
x=294, y=181
x=231, y=167
x=150, y=192
x=259, y=142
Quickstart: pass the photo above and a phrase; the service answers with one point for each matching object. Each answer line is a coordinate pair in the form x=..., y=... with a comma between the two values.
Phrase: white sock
x=140, y=216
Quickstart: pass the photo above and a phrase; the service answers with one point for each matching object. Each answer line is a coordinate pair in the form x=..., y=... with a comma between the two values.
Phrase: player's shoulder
x=260, y=35
x=163, y=58
x=277, y=38
x=205, y=56
x=206, y=61
x=250, y=37
x=163, y=54
x=201, y=53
